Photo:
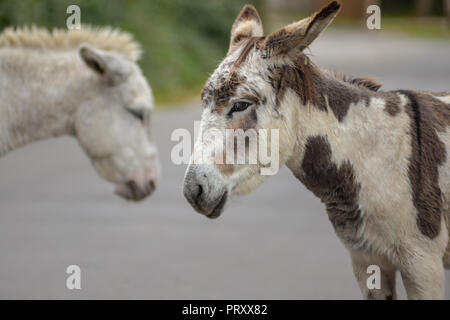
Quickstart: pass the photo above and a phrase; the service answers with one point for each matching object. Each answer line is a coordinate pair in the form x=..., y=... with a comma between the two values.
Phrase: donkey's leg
x=361, y=262
x=423, y=277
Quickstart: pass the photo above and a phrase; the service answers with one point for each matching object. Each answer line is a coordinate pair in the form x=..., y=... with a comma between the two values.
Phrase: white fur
x=49, y=92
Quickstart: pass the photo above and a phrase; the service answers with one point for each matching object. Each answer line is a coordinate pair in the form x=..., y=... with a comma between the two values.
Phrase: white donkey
x=379, y=161
x=82, y=83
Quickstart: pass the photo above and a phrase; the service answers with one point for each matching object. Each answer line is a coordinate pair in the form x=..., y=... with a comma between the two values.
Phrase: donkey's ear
x=299, y=35
x=104, y=64
x=247, y=25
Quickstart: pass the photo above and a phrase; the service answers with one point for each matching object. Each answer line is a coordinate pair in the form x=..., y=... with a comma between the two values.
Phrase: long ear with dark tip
x=93, y=59
x=104, y=64
x=247, y=24
x=299, y=35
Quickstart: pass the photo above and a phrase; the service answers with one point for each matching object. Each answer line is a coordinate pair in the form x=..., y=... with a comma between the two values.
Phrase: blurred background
x=276, y=243
x=183, y=40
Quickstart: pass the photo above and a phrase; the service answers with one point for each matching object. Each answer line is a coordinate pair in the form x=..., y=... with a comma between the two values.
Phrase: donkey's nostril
x=199, y=192
x=132, y=185
x=134, y=189
x=151, y=186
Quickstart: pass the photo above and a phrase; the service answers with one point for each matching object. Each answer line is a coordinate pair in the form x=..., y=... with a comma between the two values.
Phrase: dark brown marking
x=339, y=94
x=428, y=153
x=364, y=82
x=392, y=103
x=369, y=83
x=223, y=94
x=312, y=86
x=297, y=78
x=335, y=186
x=330, y=9
x=248, y=12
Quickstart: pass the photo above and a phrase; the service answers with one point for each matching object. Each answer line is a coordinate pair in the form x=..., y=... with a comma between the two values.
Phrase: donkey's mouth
x=133, y=191
x=217, y=211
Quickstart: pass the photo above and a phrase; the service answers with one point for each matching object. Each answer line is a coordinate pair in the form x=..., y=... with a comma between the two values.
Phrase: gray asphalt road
x=276, y=243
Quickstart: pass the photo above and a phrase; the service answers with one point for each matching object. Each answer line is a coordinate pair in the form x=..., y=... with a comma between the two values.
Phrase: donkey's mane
x=104, y=38
x=362, y=82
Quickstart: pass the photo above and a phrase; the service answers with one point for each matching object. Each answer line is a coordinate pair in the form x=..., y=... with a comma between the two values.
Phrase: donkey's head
x=251, y=89
x=113, y=125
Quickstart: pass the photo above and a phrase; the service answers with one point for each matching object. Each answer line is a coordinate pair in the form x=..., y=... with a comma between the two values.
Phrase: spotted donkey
x=378, y=160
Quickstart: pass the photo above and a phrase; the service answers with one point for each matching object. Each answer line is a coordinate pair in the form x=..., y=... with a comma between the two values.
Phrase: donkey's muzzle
x=134, y=191
x=204, y=196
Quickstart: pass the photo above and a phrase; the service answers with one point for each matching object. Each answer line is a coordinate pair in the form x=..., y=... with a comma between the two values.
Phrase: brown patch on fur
x=207, y=93
x=428, y=153
x=363, y=82
x=369, y=83
x=336, y=187
x=392, y=104
x=339, y=95
x=312, y=87
x=298, y=78
x=223, y=94
x=232, y=82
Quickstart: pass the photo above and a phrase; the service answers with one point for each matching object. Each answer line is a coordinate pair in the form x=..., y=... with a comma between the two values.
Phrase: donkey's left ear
x=299, y=35
x=107, y=66
x=247, y=24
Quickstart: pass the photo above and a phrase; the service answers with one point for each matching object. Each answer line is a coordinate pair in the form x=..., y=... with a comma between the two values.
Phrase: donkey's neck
x=35, y=102
x=345, y=116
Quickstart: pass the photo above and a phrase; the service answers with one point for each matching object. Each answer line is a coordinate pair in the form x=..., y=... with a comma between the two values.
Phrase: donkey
x=86, y=84
x=379, y=161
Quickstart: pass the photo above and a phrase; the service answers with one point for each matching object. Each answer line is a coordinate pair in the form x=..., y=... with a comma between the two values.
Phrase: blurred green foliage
x=183, y=40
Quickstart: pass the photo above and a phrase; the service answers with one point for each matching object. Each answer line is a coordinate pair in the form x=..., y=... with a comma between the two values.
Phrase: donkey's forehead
x=229, y=80
x=137, y=92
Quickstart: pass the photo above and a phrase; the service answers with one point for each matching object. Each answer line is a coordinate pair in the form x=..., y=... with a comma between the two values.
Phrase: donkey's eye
x=138, y=114
x=239, y=106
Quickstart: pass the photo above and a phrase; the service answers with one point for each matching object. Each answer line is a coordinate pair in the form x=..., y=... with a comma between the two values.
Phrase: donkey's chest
x=336, y=186
x=368, y=202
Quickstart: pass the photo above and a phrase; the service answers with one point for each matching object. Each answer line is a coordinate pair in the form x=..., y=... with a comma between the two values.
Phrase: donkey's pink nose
x=135, y=190
x=140, y=184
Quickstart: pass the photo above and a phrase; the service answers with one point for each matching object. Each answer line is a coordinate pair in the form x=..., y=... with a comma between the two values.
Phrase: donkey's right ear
x=247, y=25
x=107, y=66
x=299, y=35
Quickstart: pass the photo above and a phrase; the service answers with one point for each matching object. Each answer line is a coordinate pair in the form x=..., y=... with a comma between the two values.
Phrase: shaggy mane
x=365, y=82
x=104, y=38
